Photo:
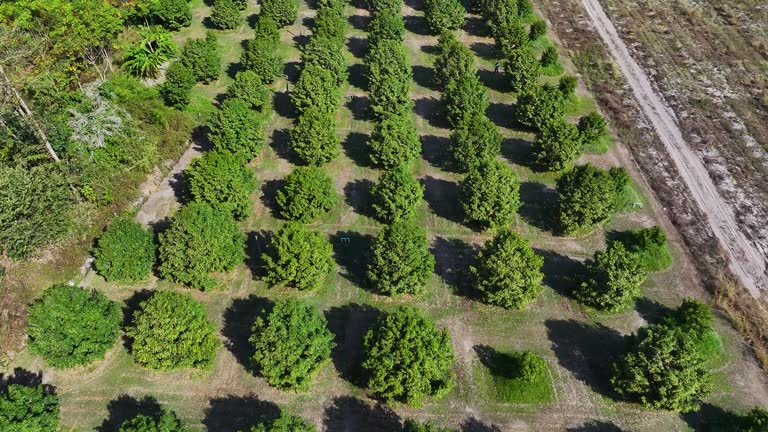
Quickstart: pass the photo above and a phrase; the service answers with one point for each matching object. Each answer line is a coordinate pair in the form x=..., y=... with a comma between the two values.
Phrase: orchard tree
x=396, y=195
x=261, y=54
x=400, y=261
x=203, y=58
x=249, y=88
x=549, y=57
x=567, y=85
x=237, y=129
x=540, y=106
x=693, y=317
x=71, y=326
x=522, y=69
x=464, y=98
x=331, y=24
x=612, y=279
x=221, y=180
x=316, y=88
x=177, y=88
x=314, y=137
x=297, y=257
x=165, y=421
x=200, y=240
x=490, y=195
x=650, y=245
x=389, y=79
x=589, y=196
x=407, y=358
x=285, y=423
x=283, y=12
x=125, y=251
x=326, y=54
x=662, y=369
x=171, y=319
x=455, y=61
x=537, y=30
x=592, y=128
x=524, y=8
x=394, y=141
x=444, y=15
x=225, y=14
x=28, y=408
x=556, y=146
x=385, y=27
x=474, y=140
x=291, y=344
x=171, y=14
x=508, y=271
x=307, y=194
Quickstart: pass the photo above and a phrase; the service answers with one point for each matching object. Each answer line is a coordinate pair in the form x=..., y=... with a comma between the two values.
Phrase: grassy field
x=577, y=344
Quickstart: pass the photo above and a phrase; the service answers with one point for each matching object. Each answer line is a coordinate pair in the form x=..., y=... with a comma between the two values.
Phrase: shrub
x=537, y=30
x=444, y=15
x=171, y=14
x=291, y=344
x=550, y=56
x=162, y=421
x=28, y=408
x=220, y=180
x=650, y=245
x=326, y=54
x=612, y=280
x=413, y=426
x=464, y=98
x=263, y=58
x=284, y=12
x=203, y=58
x=225, y=15
x=475, y=139
x=592, y=128
x=567, y=85
x=386, y=27
x=540, y=106
x=331, y=24
x=455, y=61
x=307, y=194
x=385, y=7
x=125, y=251
x=507, y=271
x=400, y=259
x=200, y=240
x=314, y=138
x=589, y=196
x=297, y=257
x=316, y=88
x=144, y=57
x=522, y=69
x=692, y=317
x=524, y=8
x=490, y=195
x=662, y=369
x=285, y=423
x=177, y=88
x=389, y=78
x=394, y=141
x=406, y=357
x=170, y=319
x=266, y=30
x=396, y=195
x=241, y=4
x=249, y=88
x=237, y=129
x=556, y=146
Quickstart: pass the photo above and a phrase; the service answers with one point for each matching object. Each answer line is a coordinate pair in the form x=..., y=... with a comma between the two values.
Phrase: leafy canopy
x=490, y=194
x=589, y=196
x=540, y=106
x=444, y=15
x=394, y=141
x=166, y=421
x=249, y=88
x=285, y=423
x=297, y=257
x=400, y=259
x=455, y=61
x=221, y=180
x=613, y=279
x=316, y=88
x=475, y=139
x=314, y=137
x=556, y=146
x=237, y=129
x=28, y=409
x=389, y=78
x=177, y=88
x=125, y=251
x=464, y=98
x=203, y=58
x=650, y=245
x=283, y=12
x=261, y=54
x=225, y=14
x=307, y=194
x=396, y=195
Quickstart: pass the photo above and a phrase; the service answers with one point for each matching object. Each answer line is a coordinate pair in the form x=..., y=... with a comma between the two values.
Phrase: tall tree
x=400, y=259
x=297, y=257
x=490, y=194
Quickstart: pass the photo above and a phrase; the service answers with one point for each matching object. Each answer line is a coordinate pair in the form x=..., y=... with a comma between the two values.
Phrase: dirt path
x=747, y=259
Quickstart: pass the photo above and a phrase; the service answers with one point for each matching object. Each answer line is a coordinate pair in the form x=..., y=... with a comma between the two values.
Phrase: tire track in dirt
x=747, y=259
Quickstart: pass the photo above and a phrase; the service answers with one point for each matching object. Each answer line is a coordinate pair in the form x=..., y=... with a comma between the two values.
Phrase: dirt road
x=747, y=259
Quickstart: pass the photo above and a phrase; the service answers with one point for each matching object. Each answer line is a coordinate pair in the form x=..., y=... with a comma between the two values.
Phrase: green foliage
x=261, y=54
x=413, y=426
x=550, y=56
x=144, y=57
x=507, y=271
x=540, y=106
x=237, y=129
x=693, y=317
x=556, y=146
x=400, y=259
x=490, y=195
x=221, y=180
x=283, y=12
x=165, y=421
x=170, y=319
x=662, y=369
x=385, y=7
x=326, y=54
x=314, y=138
x=454, y=62
x=307, y=194
x=389, y=78
x=225, y=14
x=266, y=30
x=517, y=377
x=537, y=30
x=407, y=358
x=464, y=98
x=291, y=344
x=396, y=195
x=285, y=423
x=200, y=240
x=386, y=27
x=331, y=24
x=650, y=245
x=592, y=128
x=754, y=420
x=171, y=14
x=475, y=139
x=297, y=257
x=567, y=85
x=522, y=69
x=70, y=326
x=524, y=8
x=612, y=279
x=444, y=15
x=203, y=58
x=589, y=196
x=394, y=141
x=34, y=209
x=177, y=88
x=28, y=409
x=125, y=252
x=249, y=88
x=316, y=88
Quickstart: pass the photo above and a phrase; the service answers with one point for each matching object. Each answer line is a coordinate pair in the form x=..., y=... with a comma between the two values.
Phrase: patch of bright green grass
x=600, y=146
x=518, y=377
x=553, y=70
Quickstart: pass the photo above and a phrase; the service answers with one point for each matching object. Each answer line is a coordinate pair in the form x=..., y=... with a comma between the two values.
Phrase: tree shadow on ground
x=517, y=151
x=436, y=150
x=494, y=80
x=281, y=144
x=358, y=77
x=269, y=196
x=292, y=70
x=424, y=77
x=350, y=414
x=125, y=408
x=499, y=364
x=238, y=320
x=360, y=22
x=487, y=51
x=442, y=196
x=561, y=273
x=132, y=305
x=430, y=49
x=502, y=115
x=415, y=4
x=180, y=187
x=431, y=110
x=651, y=311
x=476, y=26
x=473, y=424
x=351, y=250
x=538, y=205
x=24, y=377
x=357, y=46
x=300, y=40
x=711, y=418
x=281, y=103
x=349, y=324
x=355, y=147
x=238, y=413
x=360, y=107
x=233, y=68
x=252, y=20
x=596, y=426
x=453, y=256
x=256, y=244
x=586, y=350
x=357, y=194
x=417, y=25
x=359, y=4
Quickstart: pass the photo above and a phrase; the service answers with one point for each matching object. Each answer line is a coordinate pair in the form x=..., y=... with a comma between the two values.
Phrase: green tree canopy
x=238, y=129
x=285, y=423
x=464, y=98
x=650, y=245
x=177, y=88
x=539, y=106
x=154, y=47
x=507, y=271
x=490, y=194
x=283, y=12
x=567, y=85
x=407, y=358
x=28, y=409
x=203, y=58
x=385, y=27
x=400, y=260
x=331, y=24
x=171, y=331
x=326, y=54
x=397, y=194
x=261, y=54
x=556, y=146
x=693, y=317
x=314, y=137
x=444, y=15
x=199, y=241
x=550, y=56
x=455, y=61
x=316, y=88
x=125, y=251
x=414, y=426
x=171, y=14
x=225, y=14
x=249, y=88
x=612, y=279
x=389, y=78
x=291, y=344
x=589, y=196
x=592, y=128
x=297, y=257
x=394, y=141
x=221, y=180
x=475, y=139
x=166, y=421
x=537, y=30
x=307, y=194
